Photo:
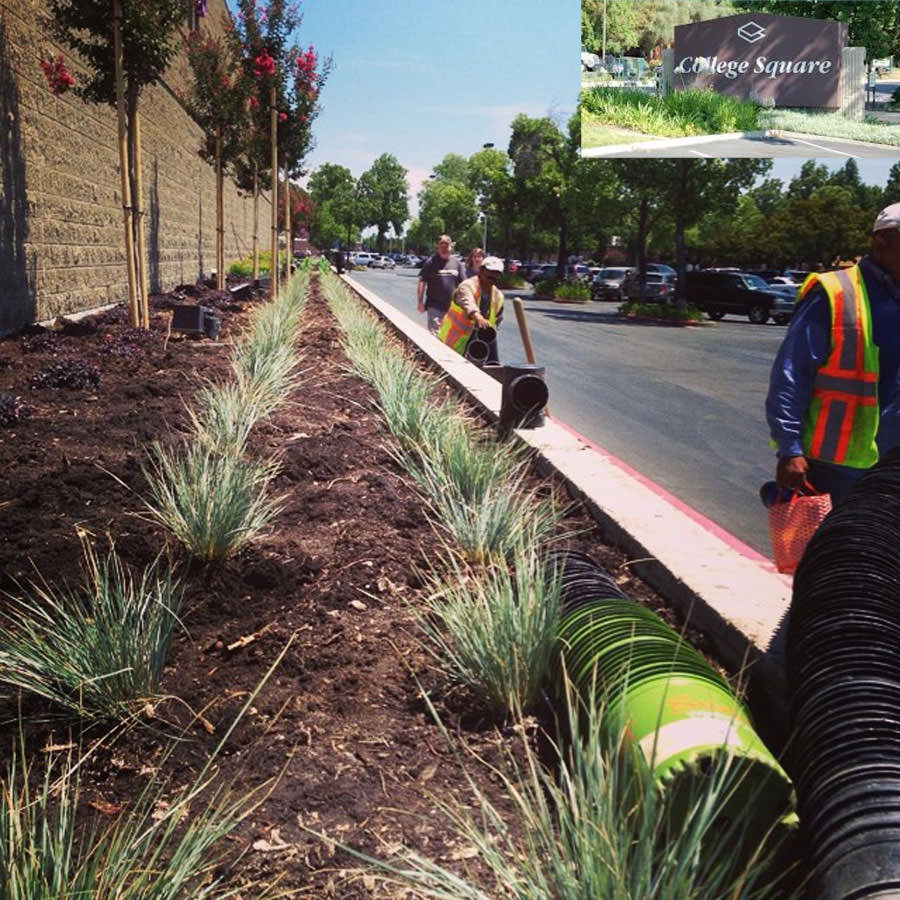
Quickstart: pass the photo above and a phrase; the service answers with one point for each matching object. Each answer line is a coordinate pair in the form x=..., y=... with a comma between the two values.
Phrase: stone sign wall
x=788, y=60
x=61, y=233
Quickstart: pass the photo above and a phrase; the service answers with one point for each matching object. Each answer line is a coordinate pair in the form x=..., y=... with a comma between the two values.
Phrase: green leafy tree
x=490, y=176
x=385, y=196
x=873, y=24
x=149, y=35
x=447, y=207
x=336, y=215
x=812, y=176
x=892, y=187
x=545, y=169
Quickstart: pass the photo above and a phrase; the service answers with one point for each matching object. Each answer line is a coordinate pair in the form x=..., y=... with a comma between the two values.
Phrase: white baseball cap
x=889, y=217
x=494, y=264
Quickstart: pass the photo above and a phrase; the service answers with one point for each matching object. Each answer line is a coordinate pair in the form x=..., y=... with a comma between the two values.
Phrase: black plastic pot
x=524, y=397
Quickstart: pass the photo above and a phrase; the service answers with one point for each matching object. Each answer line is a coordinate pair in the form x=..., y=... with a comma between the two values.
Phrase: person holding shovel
x=476, y=304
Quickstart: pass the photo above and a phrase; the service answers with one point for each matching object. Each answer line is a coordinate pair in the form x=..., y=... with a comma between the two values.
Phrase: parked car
x=590, y=62
x=766, y=274
x=727, y=292
x=661, y=268
x=796, y=275
x=786, y=298
x=414, y=261
x=607, y=283
x=381, y=262
x=658, y=287
x=363, y=258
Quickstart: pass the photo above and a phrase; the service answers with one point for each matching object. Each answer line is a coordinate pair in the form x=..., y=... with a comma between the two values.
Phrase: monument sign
x=788, y=60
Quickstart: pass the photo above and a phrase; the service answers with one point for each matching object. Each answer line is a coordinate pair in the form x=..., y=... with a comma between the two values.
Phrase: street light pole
x=484, y=241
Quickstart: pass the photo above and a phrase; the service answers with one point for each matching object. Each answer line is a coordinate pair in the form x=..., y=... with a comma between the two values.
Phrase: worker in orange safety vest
x=833, y=406
x=476, y=303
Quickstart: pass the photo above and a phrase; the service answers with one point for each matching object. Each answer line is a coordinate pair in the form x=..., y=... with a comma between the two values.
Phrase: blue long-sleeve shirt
x=806, y=347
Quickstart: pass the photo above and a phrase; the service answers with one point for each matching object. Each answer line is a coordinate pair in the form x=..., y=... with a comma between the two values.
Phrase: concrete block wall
x=61, y=232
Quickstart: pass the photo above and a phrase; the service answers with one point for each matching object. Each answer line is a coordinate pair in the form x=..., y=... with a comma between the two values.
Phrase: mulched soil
x=342, y=718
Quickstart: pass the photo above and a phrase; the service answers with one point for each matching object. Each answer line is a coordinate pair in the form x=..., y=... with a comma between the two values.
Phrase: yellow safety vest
x=842, y=420
x=456, y=326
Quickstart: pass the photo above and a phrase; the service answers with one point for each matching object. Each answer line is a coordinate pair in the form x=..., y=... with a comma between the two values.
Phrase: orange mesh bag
x=792, y=524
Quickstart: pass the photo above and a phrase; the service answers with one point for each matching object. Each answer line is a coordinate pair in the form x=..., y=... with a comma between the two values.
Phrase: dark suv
x=730, y=292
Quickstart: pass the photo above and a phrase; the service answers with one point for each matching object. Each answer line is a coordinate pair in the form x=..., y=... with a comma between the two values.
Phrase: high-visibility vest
x=842, y=419
x=456, y=326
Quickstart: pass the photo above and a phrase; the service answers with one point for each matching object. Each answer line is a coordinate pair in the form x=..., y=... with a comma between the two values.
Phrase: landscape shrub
x=680, y=114
x=573, y=290
x=98, y=649
x=494, y=629
x=670, y=311
x=75, y=374
x=165, y=843
x=593, y=824
x=214, y=503
x=13, y=409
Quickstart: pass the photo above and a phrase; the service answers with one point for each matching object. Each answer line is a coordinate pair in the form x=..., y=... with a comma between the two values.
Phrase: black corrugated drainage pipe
x=843, y=667
x=524, y=397
x=665, y=697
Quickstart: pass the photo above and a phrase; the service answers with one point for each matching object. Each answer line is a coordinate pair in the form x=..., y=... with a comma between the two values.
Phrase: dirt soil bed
x=343, y=716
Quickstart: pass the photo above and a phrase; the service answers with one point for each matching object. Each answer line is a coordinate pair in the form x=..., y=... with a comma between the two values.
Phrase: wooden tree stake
x=133, y=310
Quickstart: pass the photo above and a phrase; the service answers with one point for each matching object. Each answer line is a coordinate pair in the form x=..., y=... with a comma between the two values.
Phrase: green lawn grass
x=595, y=133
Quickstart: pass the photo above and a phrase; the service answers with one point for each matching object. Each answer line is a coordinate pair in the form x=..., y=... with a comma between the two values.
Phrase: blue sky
x=420, y=79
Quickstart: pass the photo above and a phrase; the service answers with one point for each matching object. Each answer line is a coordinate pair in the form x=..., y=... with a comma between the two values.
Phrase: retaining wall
x=61, y=232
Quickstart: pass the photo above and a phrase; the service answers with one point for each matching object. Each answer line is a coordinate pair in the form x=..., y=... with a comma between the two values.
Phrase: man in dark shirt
x=438, y=279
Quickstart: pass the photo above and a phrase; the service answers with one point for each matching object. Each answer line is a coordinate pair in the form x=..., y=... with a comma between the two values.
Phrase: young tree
x=385, y=196
x=217, y=100
x=125, y=46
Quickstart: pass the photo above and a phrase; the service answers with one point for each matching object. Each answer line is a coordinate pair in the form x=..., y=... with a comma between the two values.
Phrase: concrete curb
x=719, y=584
x=674, y=143
x=668, y=143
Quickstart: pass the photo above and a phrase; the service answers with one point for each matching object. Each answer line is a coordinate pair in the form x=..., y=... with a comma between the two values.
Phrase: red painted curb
x=727, y=537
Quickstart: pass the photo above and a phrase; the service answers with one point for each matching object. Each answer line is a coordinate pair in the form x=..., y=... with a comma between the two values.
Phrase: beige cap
x=889, y=217
x=493, y=264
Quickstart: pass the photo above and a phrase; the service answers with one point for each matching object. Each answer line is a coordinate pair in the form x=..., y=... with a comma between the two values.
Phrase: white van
x=363, y=258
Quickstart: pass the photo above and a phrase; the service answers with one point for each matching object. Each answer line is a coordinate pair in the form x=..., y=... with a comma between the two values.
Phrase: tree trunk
x=641, y=237
x=563, y=256
x=273, y=266
x=134, y=316
x=288, y=231
x=255, y=224
x=220, y=214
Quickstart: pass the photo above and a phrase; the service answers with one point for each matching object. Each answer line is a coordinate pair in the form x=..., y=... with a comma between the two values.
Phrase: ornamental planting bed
x=342, y=719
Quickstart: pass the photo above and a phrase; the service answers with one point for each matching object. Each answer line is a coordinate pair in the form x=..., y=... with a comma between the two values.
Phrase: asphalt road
x=749, y=147
x=682, y=406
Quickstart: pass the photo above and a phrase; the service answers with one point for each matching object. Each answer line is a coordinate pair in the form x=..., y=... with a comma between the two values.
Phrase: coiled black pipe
x=678, y=711
x=843, y=668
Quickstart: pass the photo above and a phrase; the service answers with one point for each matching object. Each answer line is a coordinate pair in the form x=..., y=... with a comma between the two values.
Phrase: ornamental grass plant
x=479, y=494
x=166, y=843
x=475, y=487
x=593, y=825
x=213, y=502
x=98, y=649
x=494, y=629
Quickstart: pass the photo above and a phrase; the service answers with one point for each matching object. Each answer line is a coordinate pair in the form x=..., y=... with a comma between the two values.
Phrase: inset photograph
x=723, y=78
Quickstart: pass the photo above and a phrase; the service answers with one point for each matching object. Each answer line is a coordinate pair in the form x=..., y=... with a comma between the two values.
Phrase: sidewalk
x=721, y=585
